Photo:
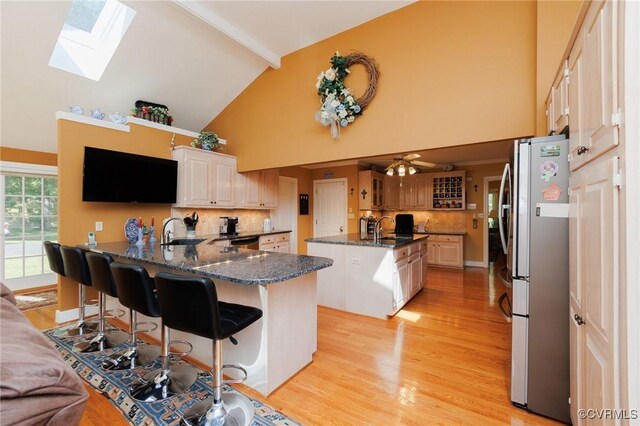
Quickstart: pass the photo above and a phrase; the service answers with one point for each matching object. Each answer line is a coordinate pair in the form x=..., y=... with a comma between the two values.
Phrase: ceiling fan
x=403, y=165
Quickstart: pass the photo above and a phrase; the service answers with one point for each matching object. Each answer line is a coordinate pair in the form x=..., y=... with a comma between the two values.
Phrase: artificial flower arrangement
x=338, y=105
x=207, y=141
x=153, y=113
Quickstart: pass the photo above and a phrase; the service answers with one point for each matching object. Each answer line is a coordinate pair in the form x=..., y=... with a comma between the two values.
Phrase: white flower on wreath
x=345, y=92
x=342, y=113
x=351, y=119
x=330, y=74
x=319, y=82
x=350, y=100
x=335, y=103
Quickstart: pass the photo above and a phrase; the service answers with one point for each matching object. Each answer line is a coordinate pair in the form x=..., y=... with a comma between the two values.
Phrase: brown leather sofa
x=36, y=386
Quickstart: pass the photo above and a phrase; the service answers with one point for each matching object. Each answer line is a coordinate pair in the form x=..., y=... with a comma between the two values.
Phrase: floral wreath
x=338, y=106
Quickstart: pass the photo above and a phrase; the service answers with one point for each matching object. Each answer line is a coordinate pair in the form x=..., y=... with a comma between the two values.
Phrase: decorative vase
x=191, y=232
x=140, y=237
x=152, y=234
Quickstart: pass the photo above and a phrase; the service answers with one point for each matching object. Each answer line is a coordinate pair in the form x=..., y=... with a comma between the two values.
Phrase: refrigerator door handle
x=506, y=175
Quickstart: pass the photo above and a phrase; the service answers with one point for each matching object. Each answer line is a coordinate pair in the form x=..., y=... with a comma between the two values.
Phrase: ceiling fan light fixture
x=401, y=170
x=390, y=172
x=412, y=171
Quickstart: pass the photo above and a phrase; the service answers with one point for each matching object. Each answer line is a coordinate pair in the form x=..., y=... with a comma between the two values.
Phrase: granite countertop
x=443, y=232
x=242, y=234
x=355, y=240
x=241, y=266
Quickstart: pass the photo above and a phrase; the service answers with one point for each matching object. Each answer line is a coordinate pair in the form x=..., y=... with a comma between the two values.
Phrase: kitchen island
x=283, y=285
x=374, y=278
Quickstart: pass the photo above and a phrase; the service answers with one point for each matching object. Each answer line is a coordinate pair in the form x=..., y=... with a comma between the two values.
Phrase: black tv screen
x=120, y=177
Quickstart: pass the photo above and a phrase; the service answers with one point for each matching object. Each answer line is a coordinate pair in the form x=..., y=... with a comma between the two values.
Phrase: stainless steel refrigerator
x=534, y=229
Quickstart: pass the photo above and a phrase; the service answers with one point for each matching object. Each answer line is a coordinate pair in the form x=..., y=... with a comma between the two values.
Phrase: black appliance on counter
x=404, y=224
x=232, y=225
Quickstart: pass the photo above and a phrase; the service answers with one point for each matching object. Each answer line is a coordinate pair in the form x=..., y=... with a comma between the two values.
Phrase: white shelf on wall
x=63, y=115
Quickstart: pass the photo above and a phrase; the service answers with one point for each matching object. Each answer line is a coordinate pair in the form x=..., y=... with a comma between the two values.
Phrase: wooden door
x=424, y=264
x=414, y=275
x=330, y=207
x=391, y=192
x=269, y=188
x=407, y=200
x=224, y=170
x=594, y=286
x=421, y=188
x=251, y=189
x=198, y=178
x=432, y=252
x=286, y=215
x=449, y=254
x=576, y=104
x=400, y=283
x=559, y=110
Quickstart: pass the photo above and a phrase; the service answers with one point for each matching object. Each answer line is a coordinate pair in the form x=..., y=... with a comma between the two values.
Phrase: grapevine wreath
x=338, y=105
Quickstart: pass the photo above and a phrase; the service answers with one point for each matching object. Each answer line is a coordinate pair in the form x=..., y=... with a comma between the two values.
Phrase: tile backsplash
x=208, y=219
x=438, y=221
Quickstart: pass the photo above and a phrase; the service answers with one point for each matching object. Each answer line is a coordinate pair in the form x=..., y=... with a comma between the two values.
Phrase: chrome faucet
x=166, y=236
x=377, y=230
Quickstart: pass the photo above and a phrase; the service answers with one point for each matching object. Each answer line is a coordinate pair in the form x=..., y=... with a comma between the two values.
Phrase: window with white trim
x=29, y=217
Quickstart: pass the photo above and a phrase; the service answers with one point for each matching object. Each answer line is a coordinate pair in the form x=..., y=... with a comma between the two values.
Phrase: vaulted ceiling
x=193, y=56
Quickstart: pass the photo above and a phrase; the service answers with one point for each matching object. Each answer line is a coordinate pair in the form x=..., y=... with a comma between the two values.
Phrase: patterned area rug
x=114, y=385
x=42, y=299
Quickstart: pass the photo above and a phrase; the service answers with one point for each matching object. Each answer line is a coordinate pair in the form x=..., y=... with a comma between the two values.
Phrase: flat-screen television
x=120, y=177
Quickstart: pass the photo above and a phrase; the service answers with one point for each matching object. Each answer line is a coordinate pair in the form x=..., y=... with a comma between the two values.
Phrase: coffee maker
x=232, y=225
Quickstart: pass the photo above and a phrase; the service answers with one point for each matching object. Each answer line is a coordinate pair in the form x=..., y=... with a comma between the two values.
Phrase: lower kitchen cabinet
x=373, y=281
x=276, y=242
x=446, y=250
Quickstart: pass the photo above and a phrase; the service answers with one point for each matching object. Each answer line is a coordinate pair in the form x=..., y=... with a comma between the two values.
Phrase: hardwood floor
x=444, y=359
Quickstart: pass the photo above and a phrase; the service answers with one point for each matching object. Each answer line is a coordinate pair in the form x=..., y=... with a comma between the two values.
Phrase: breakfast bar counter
x=283, y=285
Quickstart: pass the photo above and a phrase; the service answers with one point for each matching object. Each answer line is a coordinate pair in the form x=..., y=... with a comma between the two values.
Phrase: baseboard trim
x=474, y=264
x=74, y=314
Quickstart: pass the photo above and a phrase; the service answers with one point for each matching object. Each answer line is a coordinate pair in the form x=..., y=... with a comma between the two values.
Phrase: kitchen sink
x=395, y=239
x=184, y=242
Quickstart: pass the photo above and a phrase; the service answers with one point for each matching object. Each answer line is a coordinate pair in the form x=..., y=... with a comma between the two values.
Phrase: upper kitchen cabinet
x=205, y=178
x=371, y=190
x=448, y=190
x=391, y=197
x=558, y=102
x=258, y=190
x=416, y=192
x=593, y=86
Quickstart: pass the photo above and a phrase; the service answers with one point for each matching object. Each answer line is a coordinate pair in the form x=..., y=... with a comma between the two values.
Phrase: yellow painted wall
x=451, y=73
x=305, y=186
x=556, y=20
x=351, y=173
x=26, y=156
x=76, y=218
x=474, y=241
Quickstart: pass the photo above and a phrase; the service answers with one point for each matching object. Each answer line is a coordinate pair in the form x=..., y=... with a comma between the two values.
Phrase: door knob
x=578, y=319
x=341, y=228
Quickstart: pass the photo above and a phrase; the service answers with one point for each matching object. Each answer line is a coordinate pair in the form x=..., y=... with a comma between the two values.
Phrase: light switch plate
x=351, y=216
x=471, y=206
x=98, y=226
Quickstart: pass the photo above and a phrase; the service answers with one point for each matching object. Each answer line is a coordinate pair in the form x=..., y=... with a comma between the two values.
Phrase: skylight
x=90, y=36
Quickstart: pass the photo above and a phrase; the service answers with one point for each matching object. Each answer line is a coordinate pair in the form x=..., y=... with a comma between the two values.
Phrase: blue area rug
x=114, y=385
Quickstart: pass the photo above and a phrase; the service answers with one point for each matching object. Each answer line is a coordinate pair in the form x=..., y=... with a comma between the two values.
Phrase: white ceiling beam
x=231, y=31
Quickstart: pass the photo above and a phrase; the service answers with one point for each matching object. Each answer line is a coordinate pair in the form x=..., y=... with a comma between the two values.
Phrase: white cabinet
x=558, y=102
x=371, y=190
x=446, y=250
x=424, y=265
x=276, y=242
x=593, y=86
x=257, y=190
x=373, y=281
x=205, y=178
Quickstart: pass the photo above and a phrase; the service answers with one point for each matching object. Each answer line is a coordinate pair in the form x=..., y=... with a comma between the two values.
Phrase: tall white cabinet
x=604, y=352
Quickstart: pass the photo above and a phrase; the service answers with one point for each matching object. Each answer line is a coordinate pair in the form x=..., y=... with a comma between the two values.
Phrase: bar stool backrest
x=100, y=272
x=54, y=257
x=136, y=290
x=75, y=264
x=189, y=304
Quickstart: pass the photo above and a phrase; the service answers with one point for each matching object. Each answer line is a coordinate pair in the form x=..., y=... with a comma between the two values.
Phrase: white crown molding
x=482, y=162
x=231, y=31
x=27, y=168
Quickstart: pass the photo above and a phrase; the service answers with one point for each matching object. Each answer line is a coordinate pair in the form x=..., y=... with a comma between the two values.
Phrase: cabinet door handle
x=341, y=228
x=578, y=319
x=582, y=149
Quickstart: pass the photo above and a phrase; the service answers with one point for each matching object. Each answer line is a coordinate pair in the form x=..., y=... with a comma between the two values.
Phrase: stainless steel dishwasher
x=252, y=243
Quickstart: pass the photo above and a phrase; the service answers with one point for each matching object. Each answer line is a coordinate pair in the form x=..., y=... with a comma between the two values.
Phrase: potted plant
x=207, y=140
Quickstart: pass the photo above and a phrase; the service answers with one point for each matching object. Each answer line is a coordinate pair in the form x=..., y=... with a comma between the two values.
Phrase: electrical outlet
x=481, y=215
x=355, y=260
x=98, y=226
x=475, y=215
x=351, y=216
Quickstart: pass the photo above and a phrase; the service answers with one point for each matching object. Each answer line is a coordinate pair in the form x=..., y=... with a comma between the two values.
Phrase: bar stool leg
x=81, y=327
x=219, y=409
x=102, y=340
x=166, y=381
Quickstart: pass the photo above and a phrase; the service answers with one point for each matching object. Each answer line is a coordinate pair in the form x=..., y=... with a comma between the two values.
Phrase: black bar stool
x=102, y=280
x=75, y=268
x=54, y=257
x=190, y=304
x=136, y=291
